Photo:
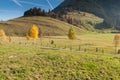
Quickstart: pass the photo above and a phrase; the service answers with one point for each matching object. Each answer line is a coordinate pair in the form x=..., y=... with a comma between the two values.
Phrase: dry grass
x=21, y=26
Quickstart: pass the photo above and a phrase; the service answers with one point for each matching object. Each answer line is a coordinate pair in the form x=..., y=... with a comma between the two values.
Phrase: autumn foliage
x=2, y=34
x=34, y=31
x=116, y=40
x=71, y=34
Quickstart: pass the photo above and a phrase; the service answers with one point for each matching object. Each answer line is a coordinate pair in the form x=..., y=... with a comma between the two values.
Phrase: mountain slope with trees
x=85, y=20
x=106, y=9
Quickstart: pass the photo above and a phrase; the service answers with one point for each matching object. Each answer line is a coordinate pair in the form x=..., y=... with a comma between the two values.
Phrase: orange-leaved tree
x=116, y=41
x=34, y=32
x=2, y=34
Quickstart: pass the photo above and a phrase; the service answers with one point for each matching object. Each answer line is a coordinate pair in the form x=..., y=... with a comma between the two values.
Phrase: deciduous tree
x=71, y=34
x=2, y=34
x=116, y=41
x=34, y=31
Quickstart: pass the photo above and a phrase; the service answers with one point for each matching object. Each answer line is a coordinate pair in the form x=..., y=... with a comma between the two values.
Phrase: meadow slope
x=21, y=26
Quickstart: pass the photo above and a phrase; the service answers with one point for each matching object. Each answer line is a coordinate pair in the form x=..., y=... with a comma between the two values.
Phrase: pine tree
x=71, y=34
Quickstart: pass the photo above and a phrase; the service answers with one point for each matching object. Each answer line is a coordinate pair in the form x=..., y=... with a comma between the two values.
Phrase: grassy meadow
x=63, y=60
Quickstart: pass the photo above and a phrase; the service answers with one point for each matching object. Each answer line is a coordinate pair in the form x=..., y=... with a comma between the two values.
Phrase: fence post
x=85, y=50
x=118, y=51
x=55, y=45
x=79, y=48
x=97, y=49
x=70, y=48
x=47, y=44
x=102, y=50
x=41, y=44
x=20, y=43
x=65, y=47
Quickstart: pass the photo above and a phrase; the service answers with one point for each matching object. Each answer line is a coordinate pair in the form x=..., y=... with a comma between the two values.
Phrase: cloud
x=35, y=4
x=17, y=3
x=50, y=4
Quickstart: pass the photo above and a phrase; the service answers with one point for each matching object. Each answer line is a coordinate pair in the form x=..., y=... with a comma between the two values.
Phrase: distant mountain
x=106, y=9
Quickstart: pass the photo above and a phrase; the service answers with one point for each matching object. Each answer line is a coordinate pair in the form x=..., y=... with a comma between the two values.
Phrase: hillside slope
x=85, y=20
x=21, y=26
x=106, y=9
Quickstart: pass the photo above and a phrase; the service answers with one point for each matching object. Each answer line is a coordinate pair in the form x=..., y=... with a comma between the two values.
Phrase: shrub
x=28, y=37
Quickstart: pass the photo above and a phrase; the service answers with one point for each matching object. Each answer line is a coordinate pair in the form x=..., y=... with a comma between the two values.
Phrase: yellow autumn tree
x=116, y=41
x=71, y=34
x=34, y=31
x=2, y=34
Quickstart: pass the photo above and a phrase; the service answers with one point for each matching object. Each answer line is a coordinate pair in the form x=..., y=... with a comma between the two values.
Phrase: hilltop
x=49, y=26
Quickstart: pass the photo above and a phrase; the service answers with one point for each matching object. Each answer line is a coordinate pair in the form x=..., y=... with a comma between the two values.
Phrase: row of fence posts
x=79, y=48
x=85, y=49
x=65, y=47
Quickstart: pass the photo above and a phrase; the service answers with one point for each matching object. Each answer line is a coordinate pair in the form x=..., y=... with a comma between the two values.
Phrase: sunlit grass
x=25, y=62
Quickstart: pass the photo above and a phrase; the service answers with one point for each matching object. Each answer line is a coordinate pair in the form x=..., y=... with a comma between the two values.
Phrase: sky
x=10, y=9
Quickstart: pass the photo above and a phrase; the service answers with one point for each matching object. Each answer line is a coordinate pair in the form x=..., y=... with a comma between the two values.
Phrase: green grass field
x=32, y=62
